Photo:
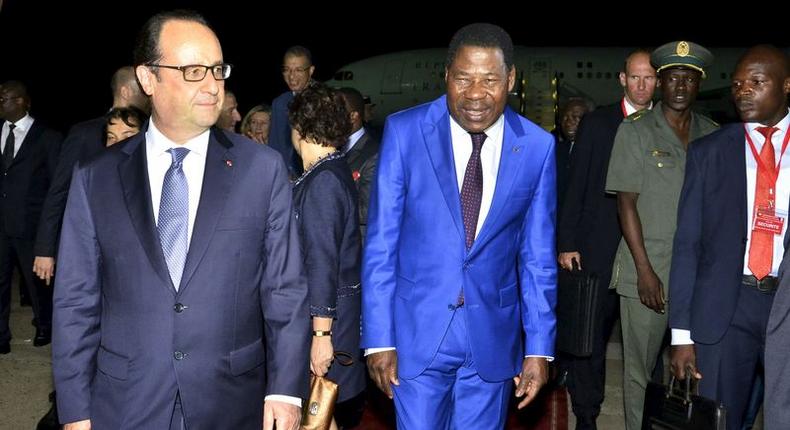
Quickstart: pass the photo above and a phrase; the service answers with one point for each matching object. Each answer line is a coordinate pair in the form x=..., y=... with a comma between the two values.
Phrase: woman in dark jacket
x=325, y=202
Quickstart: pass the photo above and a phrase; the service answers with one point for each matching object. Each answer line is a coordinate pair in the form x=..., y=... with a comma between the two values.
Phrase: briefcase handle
x=686, y=393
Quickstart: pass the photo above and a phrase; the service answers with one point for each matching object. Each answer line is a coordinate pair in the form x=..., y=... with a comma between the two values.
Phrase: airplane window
x=598, y=75
x=579, y=65
x=589, y=65
x=562, y=75
x=348, y=76
x=339, y=76
x=580, y=75
x=724, y=75
x=608, y=75
x=589, y=75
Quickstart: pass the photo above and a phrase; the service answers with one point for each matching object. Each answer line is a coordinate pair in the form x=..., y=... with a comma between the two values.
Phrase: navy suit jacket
x=280, y=130
x=83, y=141
x=24, y=185
x=415, y=258
x=710, y=241
x=125, y=341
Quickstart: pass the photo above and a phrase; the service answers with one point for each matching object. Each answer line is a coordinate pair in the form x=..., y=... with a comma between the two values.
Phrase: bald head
x=126, y=91
x=760, y=85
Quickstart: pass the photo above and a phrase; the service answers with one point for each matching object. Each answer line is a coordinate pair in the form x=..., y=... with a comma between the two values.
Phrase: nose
x=476, y=91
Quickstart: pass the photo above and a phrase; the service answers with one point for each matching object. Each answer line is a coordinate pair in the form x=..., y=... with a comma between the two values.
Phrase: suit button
x=178, y=355
x=179, y=308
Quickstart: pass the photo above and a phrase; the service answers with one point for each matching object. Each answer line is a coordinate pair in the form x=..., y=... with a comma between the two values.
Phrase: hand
x=281, y=416
x=383, y=370
x=78, y=425
x=566, y=260
x=651, y=292
x=321, y=355
x=683, y=358
x=44, y=267
x=534, y=374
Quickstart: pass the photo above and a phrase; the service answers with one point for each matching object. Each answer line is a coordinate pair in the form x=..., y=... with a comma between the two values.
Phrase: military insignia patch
x=682, y=48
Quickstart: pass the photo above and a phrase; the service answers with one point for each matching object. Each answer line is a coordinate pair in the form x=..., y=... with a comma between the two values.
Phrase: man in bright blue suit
x=459, y=275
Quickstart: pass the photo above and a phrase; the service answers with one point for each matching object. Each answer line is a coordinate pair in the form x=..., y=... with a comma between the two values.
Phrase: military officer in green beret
x=646, y=171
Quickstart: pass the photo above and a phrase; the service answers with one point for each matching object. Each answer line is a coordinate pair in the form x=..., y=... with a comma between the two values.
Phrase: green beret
x=681, y=54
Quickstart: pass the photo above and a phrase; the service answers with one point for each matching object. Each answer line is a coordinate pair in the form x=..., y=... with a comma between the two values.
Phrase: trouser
x=587, y=375
x=450, y=394
x=20, y=251
x=729, y=367
x=643, y=335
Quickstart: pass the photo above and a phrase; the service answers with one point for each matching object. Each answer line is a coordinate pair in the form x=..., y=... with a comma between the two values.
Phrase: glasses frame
x=299, y=70
x=183, y=69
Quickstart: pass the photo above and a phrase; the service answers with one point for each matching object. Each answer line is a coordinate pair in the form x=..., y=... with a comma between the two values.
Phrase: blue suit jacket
x=280, y=129
x=125, y=341
x=416, y=261
x=710, y=241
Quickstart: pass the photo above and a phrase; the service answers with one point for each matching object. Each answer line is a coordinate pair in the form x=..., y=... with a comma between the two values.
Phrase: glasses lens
x=221, y=71
x=194, y=73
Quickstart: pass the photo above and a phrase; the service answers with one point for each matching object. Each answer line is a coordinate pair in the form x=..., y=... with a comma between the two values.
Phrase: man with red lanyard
x=588, y=231
x=731, y=220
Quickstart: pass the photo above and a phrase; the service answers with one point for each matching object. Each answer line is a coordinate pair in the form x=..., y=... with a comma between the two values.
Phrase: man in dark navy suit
x=180, y=300
x=728, y=244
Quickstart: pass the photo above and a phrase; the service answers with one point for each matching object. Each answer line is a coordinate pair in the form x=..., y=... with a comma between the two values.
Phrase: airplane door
x=539, y=92
x=393, y=75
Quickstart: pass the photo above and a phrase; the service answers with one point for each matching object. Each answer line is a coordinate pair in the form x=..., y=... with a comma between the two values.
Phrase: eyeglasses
x=288, y=70
x=197, y=72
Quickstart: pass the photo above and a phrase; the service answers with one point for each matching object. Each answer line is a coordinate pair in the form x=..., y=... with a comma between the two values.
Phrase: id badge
x=769, y=220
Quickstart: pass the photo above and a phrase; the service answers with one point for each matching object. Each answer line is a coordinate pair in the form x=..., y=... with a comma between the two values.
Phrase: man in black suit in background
x=362, y=152
x=84, y=140
x=29, y=156
x=588, y=227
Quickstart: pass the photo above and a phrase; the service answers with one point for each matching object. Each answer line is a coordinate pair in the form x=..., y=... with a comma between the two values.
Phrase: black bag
x=577, y=301
x=673, y=408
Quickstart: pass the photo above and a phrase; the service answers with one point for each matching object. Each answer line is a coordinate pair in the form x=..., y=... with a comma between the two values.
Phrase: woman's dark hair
x=319, y=113
x=130, y=115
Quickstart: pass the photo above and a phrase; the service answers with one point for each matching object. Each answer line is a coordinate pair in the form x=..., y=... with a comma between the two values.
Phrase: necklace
x=321, y=160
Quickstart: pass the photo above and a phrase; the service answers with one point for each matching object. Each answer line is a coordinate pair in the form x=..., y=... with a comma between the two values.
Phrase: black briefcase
x=674, y=408
x=577, y=300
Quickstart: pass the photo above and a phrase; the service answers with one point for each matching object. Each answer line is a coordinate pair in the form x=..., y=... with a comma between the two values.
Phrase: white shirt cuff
x=681, y=337
x=285, y=399
x=369, y=351
x=547, y=357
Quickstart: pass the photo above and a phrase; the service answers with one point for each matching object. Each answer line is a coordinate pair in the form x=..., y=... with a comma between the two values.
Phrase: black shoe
x=50, y=420
x=43, y=337
x=5, y=348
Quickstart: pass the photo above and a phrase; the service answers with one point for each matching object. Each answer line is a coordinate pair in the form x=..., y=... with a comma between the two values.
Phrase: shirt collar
x=782, y=125
x=629, y=108
x=493, y=131
x=353, y=139
x=158, y=143
x=23, y=124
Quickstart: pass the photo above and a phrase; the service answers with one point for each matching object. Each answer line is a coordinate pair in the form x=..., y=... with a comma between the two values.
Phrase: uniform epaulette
x=636, y=115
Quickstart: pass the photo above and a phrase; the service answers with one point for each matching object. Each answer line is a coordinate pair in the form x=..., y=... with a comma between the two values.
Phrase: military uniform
x=649, y=159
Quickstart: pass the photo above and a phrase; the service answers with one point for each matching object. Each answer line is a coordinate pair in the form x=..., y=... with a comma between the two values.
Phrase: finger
x=393, y=378
x=530, y=395
x=268, y=419
x=521, y=388
x=46, y=281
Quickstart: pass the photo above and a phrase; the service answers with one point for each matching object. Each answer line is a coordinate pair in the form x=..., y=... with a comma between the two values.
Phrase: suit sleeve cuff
x=369, y=351
x=285, y=399
x=681, y=337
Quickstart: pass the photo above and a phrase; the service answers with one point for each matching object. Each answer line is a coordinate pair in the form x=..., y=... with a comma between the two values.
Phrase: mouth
x=475, y=114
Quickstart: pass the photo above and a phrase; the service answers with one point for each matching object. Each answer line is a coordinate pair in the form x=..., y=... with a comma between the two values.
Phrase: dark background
x=67, y=50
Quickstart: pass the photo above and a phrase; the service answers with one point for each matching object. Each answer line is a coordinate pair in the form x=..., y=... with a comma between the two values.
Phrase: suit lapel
x=25, y=148
x=217, y=181
x=509, y=163
x=137, y=193
x=437, y=140
x=356, y=151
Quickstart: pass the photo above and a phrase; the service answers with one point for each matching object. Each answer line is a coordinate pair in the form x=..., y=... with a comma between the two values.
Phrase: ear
x=511, y=78
x=786, y=86
x=146, y=78
x=623, y=83
x=126, y=93
x=312, y=69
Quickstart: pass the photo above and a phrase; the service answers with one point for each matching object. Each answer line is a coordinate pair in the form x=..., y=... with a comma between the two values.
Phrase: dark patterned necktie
x=8, y=149
x=472, y=189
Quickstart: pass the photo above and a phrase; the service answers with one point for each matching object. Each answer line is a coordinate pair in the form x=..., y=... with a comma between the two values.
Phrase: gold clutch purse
x=320, y=407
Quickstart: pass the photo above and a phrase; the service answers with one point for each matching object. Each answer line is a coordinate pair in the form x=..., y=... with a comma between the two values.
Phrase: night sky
x=67, y=58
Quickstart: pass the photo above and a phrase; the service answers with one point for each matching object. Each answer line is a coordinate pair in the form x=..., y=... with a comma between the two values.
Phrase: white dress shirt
x=159, y=161
x=353, y=139
x=782, y=192
x=21, y=128
x=194, y=165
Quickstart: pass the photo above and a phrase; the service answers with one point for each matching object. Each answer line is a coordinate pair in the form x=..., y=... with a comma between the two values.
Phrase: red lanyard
x=622, y=105
x=772, y=178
